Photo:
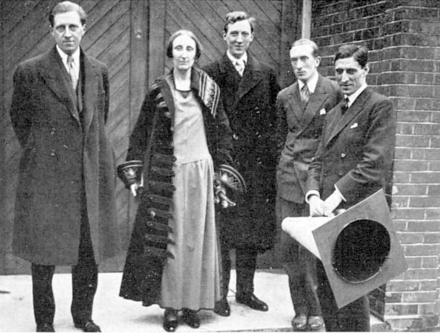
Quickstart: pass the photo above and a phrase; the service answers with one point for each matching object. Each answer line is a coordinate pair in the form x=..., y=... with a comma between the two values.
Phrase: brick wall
x=403, y=37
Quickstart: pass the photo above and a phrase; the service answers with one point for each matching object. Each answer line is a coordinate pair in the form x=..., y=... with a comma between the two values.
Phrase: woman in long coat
x=181, y=134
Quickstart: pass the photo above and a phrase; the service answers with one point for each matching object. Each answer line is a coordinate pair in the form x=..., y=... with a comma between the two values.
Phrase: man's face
x=304, y=63
x=350, y=75
x=238, y=38
x=68, y=31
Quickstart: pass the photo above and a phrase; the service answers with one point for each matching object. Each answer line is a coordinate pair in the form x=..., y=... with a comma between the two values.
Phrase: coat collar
x=56, y=77
x=251, y=76
x=339, y=121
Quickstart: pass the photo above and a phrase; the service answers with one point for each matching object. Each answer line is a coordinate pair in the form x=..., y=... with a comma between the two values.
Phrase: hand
x=331, y=203
x=134, y=188
x=316, y=206
x=220, y=195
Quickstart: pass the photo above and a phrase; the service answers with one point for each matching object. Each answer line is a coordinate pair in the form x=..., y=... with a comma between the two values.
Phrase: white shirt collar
x=352, y=97
x=243, y=58
x=311, y=83
x=75, y=56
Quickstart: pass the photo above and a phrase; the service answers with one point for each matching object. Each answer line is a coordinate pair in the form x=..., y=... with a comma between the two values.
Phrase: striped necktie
x=72, y=72
x=305, y=94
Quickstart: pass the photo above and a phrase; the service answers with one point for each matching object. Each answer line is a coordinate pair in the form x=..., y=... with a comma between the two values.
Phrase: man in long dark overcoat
x=249, y=89
x=65, y=205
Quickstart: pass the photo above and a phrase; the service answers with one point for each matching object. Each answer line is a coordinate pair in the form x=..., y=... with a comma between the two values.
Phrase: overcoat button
x=343, y=155
x=235, y=136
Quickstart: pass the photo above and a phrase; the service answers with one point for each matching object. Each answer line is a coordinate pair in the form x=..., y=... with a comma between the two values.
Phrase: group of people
x=309, y=149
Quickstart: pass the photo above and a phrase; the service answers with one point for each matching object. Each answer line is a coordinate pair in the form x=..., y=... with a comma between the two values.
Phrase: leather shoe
x=299, y=322
x=45, y=327
x=222, y=308
x=252, y=301
x=88, y=326
x=316, y=323
x=170, y=320
x=191, y=318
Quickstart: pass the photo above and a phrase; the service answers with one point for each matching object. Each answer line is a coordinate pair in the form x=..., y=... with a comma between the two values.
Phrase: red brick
x=402, y=152
x=410, y=116
x=400, y=309
x=421, y=250
x=419, y=202
x=420, y=274
x=432, y=238
x=410, y=165
x=419, y=297
x=410, y=190
x=434, y=190
x=429, y=178
x=427, y=129
x=412, y=238
x=433, y=214
x=408, y=214
x=403, y=285
x=428, y=285
x=412, y=141
x=423, y=226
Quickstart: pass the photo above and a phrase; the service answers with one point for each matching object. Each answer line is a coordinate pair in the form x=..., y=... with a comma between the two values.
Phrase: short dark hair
x=65, y=7
x=188, y=33
x=233, y=17
x=306, y=41
x=358, y=52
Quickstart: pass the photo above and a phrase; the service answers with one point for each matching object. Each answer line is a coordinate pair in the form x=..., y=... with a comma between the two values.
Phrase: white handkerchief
x=322, y=112
x=354, y=125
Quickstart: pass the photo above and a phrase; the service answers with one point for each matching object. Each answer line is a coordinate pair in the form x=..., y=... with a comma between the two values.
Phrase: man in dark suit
x=249, y=89
x=65, y=206
x=302, y=109
x=352, y=162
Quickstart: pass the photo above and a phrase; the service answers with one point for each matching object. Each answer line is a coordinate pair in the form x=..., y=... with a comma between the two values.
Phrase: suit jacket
x=66, y=164
x=249, y=102
x=299, y=133
x=357, y=149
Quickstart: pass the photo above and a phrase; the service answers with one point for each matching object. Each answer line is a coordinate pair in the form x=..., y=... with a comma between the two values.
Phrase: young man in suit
x=302, y=109
x=249, y=88
x=65, y=205
x=353, y=160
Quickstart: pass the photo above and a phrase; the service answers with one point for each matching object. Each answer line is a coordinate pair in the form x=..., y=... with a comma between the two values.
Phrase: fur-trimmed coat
x=152, y=142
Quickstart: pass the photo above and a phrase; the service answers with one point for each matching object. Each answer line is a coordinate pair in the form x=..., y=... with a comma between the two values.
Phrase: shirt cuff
x=339, y=193
x=311, y=192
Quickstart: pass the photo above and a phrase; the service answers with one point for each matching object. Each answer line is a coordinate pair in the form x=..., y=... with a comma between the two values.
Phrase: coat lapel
x=339, y=121
x=294, y=101
x=90, y=90
x=56, y=78
x=251, y=76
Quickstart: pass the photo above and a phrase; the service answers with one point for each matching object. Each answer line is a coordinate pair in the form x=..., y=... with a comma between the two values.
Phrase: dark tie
x=305, y=94
x=345, y=105
x=72, y=72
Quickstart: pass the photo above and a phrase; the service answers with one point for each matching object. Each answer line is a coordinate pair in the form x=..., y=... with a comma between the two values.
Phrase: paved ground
x=115, y=314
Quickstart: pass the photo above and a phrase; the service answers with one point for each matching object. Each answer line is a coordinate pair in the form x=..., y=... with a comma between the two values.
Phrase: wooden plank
x=14, y=12
x=156, y=43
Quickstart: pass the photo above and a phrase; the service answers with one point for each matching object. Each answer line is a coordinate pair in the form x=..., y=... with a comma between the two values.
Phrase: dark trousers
x=84, y=284
x=354, y=317
x=245, y=265
x=299, y=263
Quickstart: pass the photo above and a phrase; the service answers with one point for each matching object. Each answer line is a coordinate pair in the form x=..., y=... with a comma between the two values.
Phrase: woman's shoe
x=191, y=318
x=170, y=320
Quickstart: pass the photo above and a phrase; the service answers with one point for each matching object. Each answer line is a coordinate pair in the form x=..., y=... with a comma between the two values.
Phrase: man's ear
x=84, y=27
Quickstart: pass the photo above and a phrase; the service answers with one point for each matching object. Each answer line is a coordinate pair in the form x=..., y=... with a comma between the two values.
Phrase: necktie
x=239, y=66
x=305, y=94
x=345, y=105
x=72, y=72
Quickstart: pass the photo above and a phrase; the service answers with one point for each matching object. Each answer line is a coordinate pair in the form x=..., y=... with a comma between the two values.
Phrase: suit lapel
x=314, y=105
x=57, y=79
x=295, y=103
x=339, y=121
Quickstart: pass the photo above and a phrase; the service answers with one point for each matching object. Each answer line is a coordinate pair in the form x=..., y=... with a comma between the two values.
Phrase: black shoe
x=88, y=326
x=299, y=322
x=191, y=318
x=252, y=301
x=222, y=308
x=170, y=320
x=45, y=327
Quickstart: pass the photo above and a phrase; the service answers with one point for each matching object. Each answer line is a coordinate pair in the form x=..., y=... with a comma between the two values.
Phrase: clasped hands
x=220, y=195
x=319, y=207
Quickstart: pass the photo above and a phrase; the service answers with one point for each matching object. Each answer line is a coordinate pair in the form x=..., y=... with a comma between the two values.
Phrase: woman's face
x=184, y=52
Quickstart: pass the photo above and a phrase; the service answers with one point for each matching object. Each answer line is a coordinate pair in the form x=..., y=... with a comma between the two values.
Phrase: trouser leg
x=226, y=269
x=43, y=298
x=84, y=277
x=246, y=261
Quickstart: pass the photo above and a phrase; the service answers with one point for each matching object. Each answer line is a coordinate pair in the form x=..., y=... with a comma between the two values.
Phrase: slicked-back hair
x=358, y=52
x=183, y=32
x=233, y=17
x=65, y=7
x=306, y=41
